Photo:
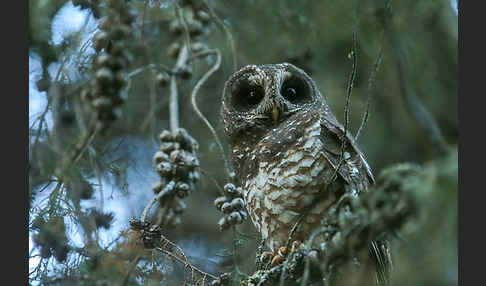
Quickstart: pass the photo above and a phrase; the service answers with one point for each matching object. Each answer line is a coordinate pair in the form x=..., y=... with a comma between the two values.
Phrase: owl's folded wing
x=353, y=168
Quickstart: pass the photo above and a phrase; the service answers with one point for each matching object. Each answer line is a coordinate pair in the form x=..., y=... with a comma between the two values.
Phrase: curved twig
x=371, y=82
x=372, y=78
x=305, y=276
x=349, y=91
x=186, y=263
x=156, y=67
x=194, y=93
x=154, y=199
x=78, y=150
x=352, y=78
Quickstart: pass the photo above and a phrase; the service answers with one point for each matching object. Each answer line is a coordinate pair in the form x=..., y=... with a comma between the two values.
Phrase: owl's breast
x=288, y=175
x=287, y=136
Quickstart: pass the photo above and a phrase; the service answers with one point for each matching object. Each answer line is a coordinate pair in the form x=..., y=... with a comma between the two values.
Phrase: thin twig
x=351, y=81
x=349, y=91
x=156, y=67
x=211, y=177
x=149, y=206
x=78, y=150
x=157, y=197
x=305, y=276
x=186, y=263
x=87, y=140
x=222, y=25
x=291, y=234
x=194, y=93
x=187, y=37
x=37, y=267
x=376, y=67
x=235, y=255
x=41, y=123
x=371, y=82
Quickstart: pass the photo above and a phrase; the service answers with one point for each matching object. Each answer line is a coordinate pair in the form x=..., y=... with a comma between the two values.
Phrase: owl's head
x=258, y=98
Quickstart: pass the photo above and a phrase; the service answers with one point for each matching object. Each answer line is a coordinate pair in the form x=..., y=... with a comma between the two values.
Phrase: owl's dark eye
x=254, y=96
x=246, y=96
x=289, y=92
x=295, y=90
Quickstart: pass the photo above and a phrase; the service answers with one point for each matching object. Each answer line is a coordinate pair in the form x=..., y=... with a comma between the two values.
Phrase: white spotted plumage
x=286, y=192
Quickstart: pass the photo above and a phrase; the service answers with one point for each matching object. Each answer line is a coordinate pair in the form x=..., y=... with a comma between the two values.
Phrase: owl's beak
x=275, y=112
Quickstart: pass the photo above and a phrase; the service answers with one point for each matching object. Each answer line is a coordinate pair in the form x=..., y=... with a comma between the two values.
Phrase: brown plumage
x=285, y=149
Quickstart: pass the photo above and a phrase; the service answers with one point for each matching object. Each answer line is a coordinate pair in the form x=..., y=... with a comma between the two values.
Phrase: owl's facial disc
x=267, y=95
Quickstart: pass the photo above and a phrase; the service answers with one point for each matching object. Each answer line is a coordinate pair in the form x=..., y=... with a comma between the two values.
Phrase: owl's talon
x=276, y=260
x=267, y=256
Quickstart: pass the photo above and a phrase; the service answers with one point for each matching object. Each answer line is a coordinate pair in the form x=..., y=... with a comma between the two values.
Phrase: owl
x=286, y=149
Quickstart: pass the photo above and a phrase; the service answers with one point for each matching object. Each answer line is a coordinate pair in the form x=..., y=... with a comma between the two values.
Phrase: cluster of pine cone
x=232, y=205
x=177, y=165
x=195, y=19
x=103, y=94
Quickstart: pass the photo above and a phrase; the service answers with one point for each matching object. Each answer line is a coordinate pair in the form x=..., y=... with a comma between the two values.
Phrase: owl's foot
x=275, y=258
x=279, y=257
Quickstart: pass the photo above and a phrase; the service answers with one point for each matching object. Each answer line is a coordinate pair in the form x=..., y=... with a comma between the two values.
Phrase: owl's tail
x=380, y=253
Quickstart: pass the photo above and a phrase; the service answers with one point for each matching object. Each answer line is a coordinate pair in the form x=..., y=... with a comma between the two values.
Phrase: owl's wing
x=332, y=130
x=354, y=169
